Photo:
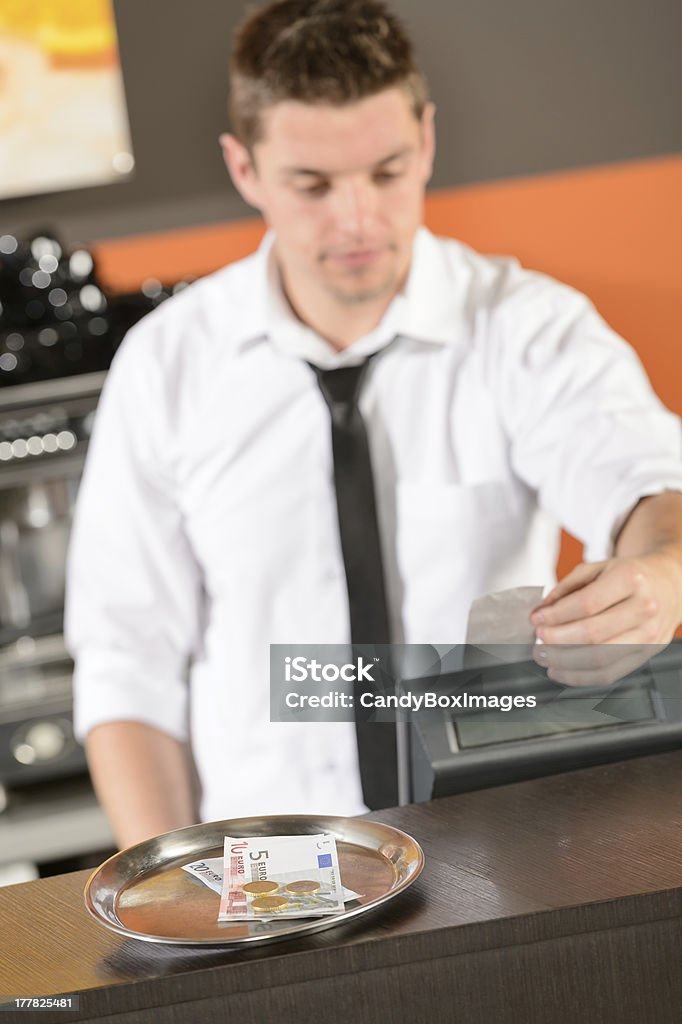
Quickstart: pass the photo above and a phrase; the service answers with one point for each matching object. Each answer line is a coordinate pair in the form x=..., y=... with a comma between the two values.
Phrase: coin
x=306, y=887
x=264, y=887
x=269, y=903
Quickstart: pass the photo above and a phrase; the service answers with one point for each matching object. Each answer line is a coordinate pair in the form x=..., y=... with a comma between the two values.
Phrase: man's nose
x=356, y=206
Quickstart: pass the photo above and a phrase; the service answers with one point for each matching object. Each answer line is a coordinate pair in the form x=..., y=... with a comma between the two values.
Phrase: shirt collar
x=429, y=308
x=436, y=291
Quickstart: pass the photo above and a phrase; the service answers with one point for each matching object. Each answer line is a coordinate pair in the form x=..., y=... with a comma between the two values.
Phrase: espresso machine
x=44, y=432
x=59, y=329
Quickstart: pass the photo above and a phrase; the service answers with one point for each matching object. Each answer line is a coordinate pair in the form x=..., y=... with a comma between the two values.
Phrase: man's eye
x=383, y=177
x=314, y=191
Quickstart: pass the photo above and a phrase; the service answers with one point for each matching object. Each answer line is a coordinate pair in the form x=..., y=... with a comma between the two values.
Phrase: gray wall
x=521, y=88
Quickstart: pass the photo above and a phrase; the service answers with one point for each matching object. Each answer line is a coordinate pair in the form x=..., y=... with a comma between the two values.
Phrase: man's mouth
x=355, y=257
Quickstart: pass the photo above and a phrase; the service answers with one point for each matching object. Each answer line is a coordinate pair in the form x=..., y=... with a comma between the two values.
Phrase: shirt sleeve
x=586, y=430
x=133, y=585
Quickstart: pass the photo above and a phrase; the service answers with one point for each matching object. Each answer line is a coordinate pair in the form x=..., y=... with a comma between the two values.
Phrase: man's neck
x=338, y=322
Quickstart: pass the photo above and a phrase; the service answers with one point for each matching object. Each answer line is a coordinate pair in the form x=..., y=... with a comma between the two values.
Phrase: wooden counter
x=555, y=900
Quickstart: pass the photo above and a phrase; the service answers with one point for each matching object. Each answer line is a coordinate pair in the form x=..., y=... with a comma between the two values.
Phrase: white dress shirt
x=206, y=526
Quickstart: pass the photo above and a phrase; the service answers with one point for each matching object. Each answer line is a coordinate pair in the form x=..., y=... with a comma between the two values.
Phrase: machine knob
x=43, y=741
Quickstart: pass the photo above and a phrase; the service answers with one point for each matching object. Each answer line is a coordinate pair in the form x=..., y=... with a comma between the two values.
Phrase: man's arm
x=655, y=524
x=143, y=778
x=634, y=597
x=133, y=603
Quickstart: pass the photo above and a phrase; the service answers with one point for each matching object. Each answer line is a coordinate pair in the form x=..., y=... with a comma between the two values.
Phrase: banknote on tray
x=280, y=877
x=273, y=877
x=210, y=872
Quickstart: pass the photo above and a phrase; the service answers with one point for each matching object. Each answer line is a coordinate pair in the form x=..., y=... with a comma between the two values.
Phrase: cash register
x=453, y=751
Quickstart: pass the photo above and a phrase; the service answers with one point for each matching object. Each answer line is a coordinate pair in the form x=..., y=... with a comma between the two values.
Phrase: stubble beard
x=356, y=295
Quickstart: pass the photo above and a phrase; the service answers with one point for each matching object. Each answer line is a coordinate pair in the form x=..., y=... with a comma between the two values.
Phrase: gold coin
x=269, y=903
x=261, y=888
x=306, y=887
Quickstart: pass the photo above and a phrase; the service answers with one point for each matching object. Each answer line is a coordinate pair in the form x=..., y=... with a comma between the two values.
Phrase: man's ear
x=239, y=163
x=428, y=128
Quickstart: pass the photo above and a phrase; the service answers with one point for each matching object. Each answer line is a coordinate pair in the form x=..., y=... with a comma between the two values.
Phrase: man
x=496, y=404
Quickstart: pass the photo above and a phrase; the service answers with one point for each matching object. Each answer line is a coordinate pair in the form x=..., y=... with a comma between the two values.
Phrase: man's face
x=342, y=188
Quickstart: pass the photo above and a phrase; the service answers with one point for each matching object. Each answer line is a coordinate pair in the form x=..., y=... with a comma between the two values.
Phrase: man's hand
x=605, y=619
x=633, y=605
x=620, y=601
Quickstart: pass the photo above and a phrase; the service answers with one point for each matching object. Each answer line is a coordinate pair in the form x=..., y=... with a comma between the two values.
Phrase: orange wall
x=613, y=232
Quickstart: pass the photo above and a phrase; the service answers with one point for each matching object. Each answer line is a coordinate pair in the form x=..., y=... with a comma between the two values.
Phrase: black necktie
x=361, y=549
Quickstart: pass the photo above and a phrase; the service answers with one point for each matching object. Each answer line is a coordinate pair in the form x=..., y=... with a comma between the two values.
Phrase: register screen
x=566, y=715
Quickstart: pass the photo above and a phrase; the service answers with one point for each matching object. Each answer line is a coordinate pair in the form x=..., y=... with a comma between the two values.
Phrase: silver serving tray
x=143, y=893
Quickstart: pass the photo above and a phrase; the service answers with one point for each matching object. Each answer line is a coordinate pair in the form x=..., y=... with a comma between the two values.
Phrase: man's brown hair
x=318, y=51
